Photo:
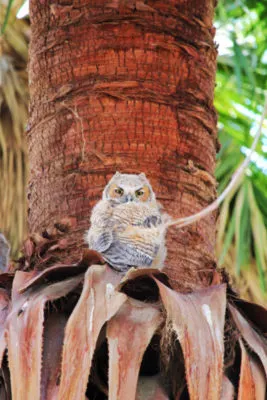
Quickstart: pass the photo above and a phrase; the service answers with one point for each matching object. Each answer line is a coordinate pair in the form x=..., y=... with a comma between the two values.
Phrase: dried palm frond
x=247, y=281
x=13, y=117
x=65, y=320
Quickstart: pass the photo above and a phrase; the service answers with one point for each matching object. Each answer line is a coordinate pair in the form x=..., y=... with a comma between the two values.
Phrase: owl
x=127, y=225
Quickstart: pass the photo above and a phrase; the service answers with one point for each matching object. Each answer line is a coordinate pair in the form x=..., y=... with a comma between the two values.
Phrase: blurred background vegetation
x=239, y=98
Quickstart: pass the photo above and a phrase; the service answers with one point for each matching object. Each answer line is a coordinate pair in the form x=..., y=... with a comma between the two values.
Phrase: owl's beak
x=129, y=198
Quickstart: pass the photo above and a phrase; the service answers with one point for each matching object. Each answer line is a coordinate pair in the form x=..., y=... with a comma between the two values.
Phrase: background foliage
x=13, y=117
x=239, y=97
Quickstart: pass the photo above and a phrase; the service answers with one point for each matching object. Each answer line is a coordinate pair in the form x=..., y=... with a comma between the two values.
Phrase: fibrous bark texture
x=125, y=85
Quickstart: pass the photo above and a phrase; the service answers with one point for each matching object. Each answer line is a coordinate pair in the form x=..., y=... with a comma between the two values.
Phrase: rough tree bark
x=125, y=85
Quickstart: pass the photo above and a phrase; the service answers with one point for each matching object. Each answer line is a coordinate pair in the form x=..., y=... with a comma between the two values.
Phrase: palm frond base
x=84, y=331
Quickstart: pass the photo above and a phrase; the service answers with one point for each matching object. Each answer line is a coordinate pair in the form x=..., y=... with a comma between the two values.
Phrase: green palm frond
x=241, y=84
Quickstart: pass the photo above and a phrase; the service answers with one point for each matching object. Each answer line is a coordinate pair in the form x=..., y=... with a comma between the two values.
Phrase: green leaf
x=260, y=237
x=242, y=228
x=228, y=239
x=8, y=10
x=238, y=63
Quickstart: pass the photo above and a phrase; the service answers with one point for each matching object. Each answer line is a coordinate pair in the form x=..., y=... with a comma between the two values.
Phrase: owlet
x=127, y=225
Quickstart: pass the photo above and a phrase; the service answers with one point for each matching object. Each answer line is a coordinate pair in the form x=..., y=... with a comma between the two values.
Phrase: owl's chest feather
x=133, y=214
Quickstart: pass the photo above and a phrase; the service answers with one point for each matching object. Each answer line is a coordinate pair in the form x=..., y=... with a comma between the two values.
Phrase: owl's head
x=123, y=188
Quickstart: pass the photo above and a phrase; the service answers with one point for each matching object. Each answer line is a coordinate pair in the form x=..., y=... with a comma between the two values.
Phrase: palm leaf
x=14, y=110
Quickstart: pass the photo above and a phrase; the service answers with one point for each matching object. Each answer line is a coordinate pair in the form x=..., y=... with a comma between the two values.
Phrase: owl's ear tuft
x=142, y=175
x=117, y=173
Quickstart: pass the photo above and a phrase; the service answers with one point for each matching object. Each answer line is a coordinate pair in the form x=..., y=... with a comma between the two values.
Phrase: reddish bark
x=125, y=85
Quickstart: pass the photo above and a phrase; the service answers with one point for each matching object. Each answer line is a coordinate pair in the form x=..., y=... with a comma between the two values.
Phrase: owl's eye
x=119, y=191
x=139, y=193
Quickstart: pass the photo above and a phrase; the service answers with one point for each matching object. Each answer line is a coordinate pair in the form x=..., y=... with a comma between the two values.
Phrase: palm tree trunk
x=125, y=85
x=128, y=86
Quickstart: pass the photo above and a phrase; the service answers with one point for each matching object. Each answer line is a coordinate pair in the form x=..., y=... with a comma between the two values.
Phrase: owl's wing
x=99, y=237
x=102, y=241
x=133, y=247
x=124, y=256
